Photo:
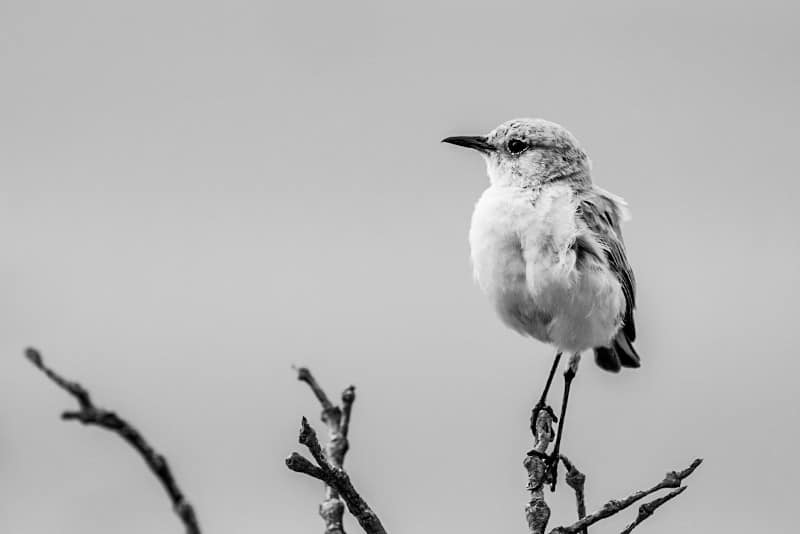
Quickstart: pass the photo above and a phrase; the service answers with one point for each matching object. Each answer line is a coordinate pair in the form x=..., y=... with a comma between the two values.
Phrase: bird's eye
x=517, y=146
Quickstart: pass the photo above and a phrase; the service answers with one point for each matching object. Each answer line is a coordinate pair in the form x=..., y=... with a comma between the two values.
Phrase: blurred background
x=197, y=195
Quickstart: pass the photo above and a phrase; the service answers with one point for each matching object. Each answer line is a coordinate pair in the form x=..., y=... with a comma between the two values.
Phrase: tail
x=617, y=355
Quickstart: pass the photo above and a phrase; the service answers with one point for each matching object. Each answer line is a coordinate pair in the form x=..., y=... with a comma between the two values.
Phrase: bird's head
x=528, y=153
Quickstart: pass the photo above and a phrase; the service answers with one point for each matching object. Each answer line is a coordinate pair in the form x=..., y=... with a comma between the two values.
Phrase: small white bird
x=547, y=248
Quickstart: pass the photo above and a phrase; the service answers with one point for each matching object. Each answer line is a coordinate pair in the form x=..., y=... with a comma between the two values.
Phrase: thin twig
x=576, y=480
x=348, y=396
x=338, y=422
x=647, y=509
x=89, y=414
x=335, y=477
x=304, y=375
x=672, y=479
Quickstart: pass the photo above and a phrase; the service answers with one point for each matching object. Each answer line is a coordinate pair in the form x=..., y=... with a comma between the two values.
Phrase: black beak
x=477, y=142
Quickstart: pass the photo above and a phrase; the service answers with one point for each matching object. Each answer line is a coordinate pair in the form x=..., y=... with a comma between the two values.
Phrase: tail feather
x=627, y=354
x=617, y=355
x=607, y=359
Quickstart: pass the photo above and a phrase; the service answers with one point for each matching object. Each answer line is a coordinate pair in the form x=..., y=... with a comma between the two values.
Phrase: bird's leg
x=542, y=404
x=569, y=374
x=549, y=380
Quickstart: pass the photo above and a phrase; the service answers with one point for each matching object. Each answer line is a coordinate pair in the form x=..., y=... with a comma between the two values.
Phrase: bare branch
x=647, y=509
x=300, y=464
x=304, y=375
x=334, y=477
x=576, y=480
x=338, y=422
x=537, y=512
x=89, y=414
x=672, y=479
x=348, y=397
x=308, y=437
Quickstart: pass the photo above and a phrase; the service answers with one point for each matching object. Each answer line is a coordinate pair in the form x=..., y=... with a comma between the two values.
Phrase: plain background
x=198, y=195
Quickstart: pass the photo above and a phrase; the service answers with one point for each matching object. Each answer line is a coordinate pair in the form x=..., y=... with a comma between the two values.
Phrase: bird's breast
x=512, y=227
x=524, y=259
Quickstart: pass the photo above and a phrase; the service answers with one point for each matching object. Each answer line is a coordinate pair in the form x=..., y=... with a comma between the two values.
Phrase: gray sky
x=197, y=195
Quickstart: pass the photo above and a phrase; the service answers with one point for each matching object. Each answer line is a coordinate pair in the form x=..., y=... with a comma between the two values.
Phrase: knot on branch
x=185, y=510
x=331, y=416
x=337, y=448
x=575, y=480
x=538, y=473
x=537, y=514
x=332, y=512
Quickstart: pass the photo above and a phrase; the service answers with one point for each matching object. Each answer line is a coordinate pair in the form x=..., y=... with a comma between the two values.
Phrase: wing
x=602, y=213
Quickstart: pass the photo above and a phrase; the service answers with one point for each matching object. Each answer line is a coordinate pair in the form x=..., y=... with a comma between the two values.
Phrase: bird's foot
x=535, y=415
x=541, y=455
x=550, y=466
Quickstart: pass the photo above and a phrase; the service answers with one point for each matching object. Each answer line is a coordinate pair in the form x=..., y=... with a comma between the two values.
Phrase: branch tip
x=298, y=463
x=649, y=508
x=689, y=470
x=303, y=374
x=34, y=356
x=306, y=432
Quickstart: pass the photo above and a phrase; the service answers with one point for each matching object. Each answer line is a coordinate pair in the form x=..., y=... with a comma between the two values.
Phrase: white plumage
x=524, y=259
x=547, y=250
x=547, y=246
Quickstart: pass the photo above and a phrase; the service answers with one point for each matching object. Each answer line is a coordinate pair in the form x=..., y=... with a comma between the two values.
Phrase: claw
x=535, y=415
x=541, y=455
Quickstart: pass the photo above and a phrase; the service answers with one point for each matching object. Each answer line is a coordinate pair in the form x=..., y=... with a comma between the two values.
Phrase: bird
x=547, y=250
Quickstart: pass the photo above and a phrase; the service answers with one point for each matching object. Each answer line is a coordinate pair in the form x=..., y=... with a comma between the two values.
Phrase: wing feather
x=602, y=213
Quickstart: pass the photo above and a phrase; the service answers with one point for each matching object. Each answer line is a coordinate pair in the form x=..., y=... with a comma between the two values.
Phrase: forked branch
x=334, y=477
x=541, y=470
x=672, y=480
x=647, y=509
x=576, y=480
x=89, y=414
x=337, y=419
